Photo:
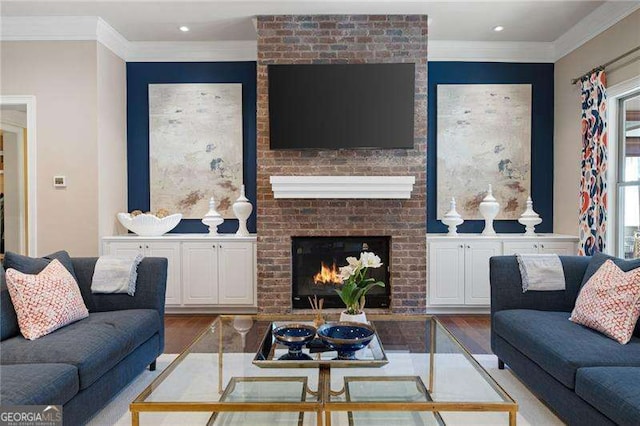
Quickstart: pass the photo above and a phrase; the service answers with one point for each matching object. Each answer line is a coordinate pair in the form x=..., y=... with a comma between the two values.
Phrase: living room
x=296, y=212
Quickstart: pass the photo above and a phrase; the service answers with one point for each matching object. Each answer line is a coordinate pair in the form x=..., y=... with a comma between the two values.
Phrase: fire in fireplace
x=316, y=265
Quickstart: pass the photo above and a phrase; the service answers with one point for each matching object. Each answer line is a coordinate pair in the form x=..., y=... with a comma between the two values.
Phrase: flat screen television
x=341, y=106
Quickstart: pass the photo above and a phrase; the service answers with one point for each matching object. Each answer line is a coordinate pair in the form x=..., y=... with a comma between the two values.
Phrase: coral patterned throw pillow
x=46, y=301
x=610, y=302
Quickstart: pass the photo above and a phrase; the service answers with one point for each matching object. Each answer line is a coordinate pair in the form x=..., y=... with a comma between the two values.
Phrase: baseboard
x=220, y=310
x=458, y=310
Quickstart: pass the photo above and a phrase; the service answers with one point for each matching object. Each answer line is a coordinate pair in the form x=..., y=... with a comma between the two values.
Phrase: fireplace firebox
x=316, y=262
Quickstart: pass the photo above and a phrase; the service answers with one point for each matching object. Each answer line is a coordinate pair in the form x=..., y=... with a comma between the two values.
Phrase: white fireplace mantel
x=381, y=187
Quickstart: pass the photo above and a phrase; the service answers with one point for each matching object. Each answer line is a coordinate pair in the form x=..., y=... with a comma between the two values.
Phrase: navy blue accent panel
x=139, y=76
x=540, y=76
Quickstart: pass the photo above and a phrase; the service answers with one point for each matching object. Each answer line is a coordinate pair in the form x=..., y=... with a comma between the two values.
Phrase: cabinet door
x=476, y=256
x=124, y=248
x=237, y=273
x=566, y=248
x=199, y=273
x=446, y=273
x=520, y=247
x=171, y=251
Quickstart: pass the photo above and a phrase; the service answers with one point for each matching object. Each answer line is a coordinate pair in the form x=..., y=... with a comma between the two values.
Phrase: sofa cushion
x=614, y=391
x=560, y=346
x=8, y=318
x=38, y=384
x=94, y=345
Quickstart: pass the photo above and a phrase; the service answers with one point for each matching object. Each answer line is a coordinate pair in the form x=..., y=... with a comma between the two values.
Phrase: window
x=628, y=177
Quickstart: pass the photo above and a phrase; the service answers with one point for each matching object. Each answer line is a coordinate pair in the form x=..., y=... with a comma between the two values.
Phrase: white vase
x=345, y=317
x=452, y=219
x=212, y=219
x=530, y=219
x=489, y=209
x=242, y=209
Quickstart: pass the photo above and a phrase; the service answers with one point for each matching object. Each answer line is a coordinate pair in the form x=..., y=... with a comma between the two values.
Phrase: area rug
x=531, y=412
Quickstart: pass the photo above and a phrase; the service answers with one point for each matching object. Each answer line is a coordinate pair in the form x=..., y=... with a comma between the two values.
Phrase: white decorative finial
x=452, y=219
x=489, y=208
x=212, y=219
x=530, y=218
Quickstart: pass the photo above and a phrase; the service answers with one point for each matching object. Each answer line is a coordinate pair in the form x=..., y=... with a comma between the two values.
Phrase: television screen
x=341, y=106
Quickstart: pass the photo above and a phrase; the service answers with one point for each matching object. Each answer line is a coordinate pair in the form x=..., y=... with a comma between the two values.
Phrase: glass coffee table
x=429, y=379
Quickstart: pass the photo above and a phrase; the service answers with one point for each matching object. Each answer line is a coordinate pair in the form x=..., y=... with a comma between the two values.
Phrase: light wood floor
x=472, y=330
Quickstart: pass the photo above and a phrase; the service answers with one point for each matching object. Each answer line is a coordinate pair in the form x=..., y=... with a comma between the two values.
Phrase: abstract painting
x=195, y=147
x=483, y=137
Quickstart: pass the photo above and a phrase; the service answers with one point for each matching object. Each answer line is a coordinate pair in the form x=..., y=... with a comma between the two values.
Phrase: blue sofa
x=83, y=365
x=584, y=376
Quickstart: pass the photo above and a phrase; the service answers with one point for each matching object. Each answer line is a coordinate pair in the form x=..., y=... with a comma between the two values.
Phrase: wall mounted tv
x=341, y=106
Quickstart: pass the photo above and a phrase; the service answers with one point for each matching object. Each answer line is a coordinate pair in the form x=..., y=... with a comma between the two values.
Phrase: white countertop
x=191, y=236
x=502, y=237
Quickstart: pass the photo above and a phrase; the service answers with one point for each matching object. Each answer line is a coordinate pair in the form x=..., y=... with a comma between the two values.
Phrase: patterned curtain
x=593, y=182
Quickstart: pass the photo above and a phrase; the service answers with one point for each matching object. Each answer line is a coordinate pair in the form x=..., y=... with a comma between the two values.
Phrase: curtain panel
x=594, y=162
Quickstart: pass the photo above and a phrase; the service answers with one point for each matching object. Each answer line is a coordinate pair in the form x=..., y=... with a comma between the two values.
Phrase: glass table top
x=426, y=365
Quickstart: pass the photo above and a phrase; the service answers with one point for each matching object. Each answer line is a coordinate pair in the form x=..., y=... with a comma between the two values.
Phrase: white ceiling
x=216, y=20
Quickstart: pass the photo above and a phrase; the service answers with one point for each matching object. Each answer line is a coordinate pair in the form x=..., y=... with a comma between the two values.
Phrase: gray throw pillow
x=35, y=265
x=8, y=320
x=598, y=260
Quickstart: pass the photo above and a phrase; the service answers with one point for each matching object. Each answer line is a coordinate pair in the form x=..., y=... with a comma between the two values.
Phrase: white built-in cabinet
x=458, y=266
x=205, y=273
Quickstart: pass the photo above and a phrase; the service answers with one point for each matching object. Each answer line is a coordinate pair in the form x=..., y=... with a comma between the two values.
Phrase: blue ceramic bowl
x=346, y=337
x=294, y=336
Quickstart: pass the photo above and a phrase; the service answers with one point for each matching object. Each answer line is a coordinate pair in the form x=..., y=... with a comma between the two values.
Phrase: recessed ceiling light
x=184, y=28
x=498, y=28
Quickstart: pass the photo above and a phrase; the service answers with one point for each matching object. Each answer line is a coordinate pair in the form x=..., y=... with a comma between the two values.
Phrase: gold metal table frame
x=323, y=406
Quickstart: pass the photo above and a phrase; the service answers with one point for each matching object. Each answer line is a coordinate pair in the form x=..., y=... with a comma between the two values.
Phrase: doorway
x=17, y=175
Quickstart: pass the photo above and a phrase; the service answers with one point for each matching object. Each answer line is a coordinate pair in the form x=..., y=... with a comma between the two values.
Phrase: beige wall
x=80, y=107
x=620, y=38
x=112, y=140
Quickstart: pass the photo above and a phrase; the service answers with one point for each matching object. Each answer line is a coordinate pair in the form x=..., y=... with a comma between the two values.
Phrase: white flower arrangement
x=355, y=283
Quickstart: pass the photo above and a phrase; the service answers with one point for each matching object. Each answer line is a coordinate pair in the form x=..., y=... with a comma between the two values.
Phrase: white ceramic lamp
x=489, y=209
x=452, y=218
x=530, y=219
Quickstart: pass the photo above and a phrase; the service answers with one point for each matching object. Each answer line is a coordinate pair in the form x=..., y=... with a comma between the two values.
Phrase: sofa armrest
x=150, y=292
x=506, y=286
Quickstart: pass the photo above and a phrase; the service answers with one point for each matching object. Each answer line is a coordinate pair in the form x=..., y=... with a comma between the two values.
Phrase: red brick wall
x=342, y=39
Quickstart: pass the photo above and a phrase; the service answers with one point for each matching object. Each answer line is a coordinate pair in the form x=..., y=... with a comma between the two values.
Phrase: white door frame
x=614, y=93
x=22, y=215
x=30, y=102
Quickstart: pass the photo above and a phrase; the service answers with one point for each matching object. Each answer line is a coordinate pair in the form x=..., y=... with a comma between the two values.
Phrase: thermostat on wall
x=59, y=182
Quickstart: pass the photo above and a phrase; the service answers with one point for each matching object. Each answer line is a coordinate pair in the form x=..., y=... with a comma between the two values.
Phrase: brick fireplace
x=342, y=39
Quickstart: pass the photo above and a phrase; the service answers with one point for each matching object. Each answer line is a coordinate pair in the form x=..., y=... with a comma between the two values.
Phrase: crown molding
x=490, y=51
x=183, y=51
x=57, y=28
x=593, y=24
x=112, y=39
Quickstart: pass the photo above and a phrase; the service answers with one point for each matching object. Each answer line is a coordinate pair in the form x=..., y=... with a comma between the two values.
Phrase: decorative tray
x=315, y=353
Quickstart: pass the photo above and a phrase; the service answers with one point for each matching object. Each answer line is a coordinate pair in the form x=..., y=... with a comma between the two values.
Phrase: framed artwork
x=195, y=147
x=483, y=137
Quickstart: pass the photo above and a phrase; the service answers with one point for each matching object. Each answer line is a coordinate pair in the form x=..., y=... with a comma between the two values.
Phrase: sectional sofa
x=584, y=376
x=83, y=365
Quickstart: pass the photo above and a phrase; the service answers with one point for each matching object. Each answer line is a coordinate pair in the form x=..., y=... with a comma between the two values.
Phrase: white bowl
x=148, y=225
